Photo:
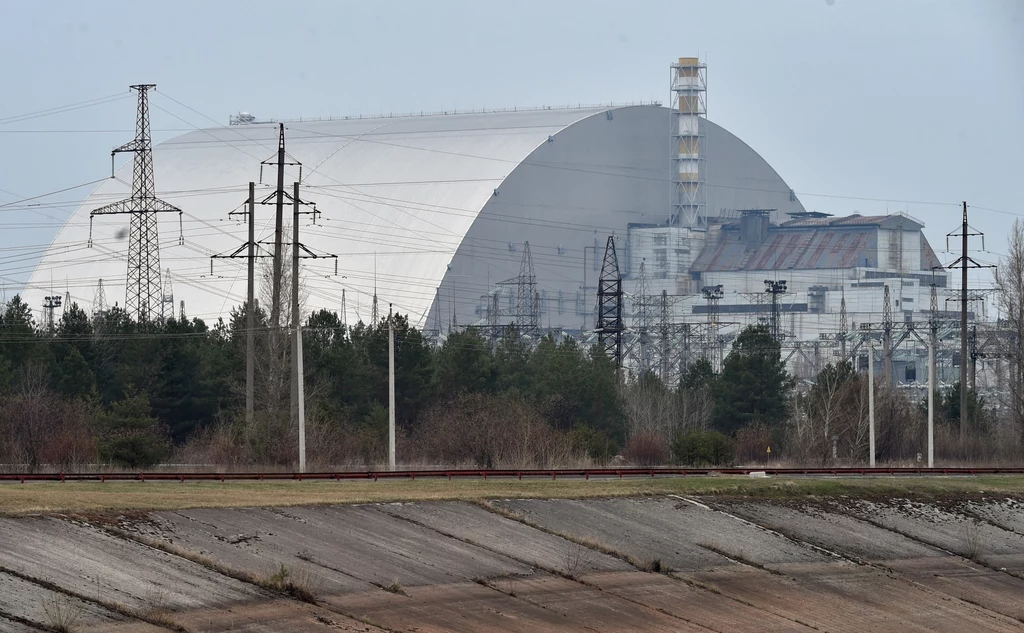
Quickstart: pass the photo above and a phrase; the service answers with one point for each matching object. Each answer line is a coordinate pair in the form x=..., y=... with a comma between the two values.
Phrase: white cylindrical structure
x=931, y=402
x=301, y=399
x=871, y=403
x=391, y=391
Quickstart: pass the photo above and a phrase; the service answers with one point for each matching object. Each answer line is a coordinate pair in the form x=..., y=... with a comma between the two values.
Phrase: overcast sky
x=861, y=105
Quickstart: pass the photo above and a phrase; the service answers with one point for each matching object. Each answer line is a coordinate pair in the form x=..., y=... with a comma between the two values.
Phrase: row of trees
x=104, y=388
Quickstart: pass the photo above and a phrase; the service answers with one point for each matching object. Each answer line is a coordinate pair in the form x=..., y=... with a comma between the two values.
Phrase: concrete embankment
x=655, y=563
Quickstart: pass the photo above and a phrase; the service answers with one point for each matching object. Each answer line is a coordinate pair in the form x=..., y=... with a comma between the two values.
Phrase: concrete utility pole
x=871, y=402
x=931, y=402
x=275, y=308
x=298, y=381
x=250, y=313
x=963, y=331
x=391, y=390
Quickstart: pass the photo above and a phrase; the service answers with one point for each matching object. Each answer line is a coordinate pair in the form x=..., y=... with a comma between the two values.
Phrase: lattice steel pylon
x=844, y=327
x=887, y=325
x=99, y=300
x=664, y=340
x=643, y=322
x=167, y=297
x=143, y=290
x=527, y=306
x=609, y=302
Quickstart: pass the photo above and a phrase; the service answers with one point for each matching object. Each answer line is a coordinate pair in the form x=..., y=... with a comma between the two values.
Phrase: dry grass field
x=81, y=497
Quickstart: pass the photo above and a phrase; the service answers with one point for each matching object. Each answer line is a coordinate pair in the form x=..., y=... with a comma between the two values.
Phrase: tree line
x=105, y=389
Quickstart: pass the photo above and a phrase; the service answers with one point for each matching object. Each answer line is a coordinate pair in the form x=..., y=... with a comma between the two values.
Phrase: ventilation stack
x=689, y=86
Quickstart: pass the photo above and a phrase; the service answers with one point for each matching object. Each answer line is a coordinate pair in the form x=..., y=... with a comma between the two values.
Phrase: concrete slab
x=512, y=538
x=43, y=606
x=855, y=598
x=468, y=608
x=1007, y=514
x=967, y=581
x=255, y=541
x=918, y=563
x=272, y=616
x=682, y=535
x=596, y=610
x=11, y=626
x=833, y=531
x=949, y=529
x=344, y=548
x=92, y=563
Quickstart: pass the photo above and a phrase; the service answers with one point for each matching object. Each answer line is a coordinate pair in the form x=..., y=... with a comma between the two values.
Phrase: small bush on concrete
x=301, y=586
x=62, y=612
x=576, y=560
x=970, y=541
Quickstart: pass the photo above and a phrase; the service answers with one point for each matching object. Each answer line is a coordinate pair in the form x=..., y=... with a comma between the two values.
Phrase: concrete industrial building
x=434, y=213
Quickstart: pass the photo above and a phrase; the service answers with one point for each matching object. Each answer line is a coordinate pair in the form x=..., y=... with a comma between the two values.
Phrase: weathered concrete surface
x=693, y=603
x=42, y=606
x=272, y=616
x=854, y=601
x=947, y=529
x=476, y=525
x=456, y=607
x=860, y=540
x=10, y=626
x=338, y=549
x=1006, y=513
x=726, y=565
x=683, y=536
x=111, y=569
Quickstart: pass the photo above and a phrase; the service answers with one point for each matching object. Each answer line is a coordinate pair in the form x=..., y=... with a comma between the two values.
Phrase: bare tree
x=650, y=407
x=696, y=406
x=1010, y=283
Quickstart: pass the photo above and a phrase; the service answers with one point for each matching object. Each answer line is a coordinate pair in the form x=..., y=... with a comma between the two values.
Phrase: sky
x=861, y=106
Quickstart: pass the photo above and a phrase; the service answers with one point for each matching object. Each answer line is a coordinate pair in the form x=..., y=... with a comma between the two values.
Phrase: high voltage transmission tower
x=609, y=301
x=522, y=287
x=143, y=290
x=643, y=322
x=527, y=298
x=844, y=325
x=666, y=336
x=887, y=324
x=99, y=300
x=167, y=298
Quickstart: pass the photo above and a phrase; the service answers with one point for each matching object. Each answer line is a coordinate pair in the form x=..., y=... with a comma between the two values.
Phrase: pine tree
x=753, y=385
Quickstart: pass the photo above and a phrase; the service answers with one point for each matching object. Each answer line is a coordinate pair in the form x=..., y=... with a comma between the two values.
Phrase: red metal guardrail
x=585, y=473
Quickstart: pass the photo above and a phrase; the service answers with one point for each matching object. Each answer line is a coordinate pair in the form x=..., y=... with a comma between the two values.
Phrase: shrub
x=702, y=448
x=646, y=449
x=752, y=442
x=130, y=436
x=598, y=445
x=491, y=432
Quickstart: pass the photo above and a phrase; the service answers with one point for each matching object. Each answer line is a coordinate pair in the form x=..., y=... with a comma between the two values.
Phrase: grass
x=107, y=498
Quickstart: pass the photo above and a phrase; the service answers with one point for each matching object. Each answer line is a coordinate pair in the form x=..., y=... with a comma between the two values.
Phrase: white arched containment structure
x=443, y=204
